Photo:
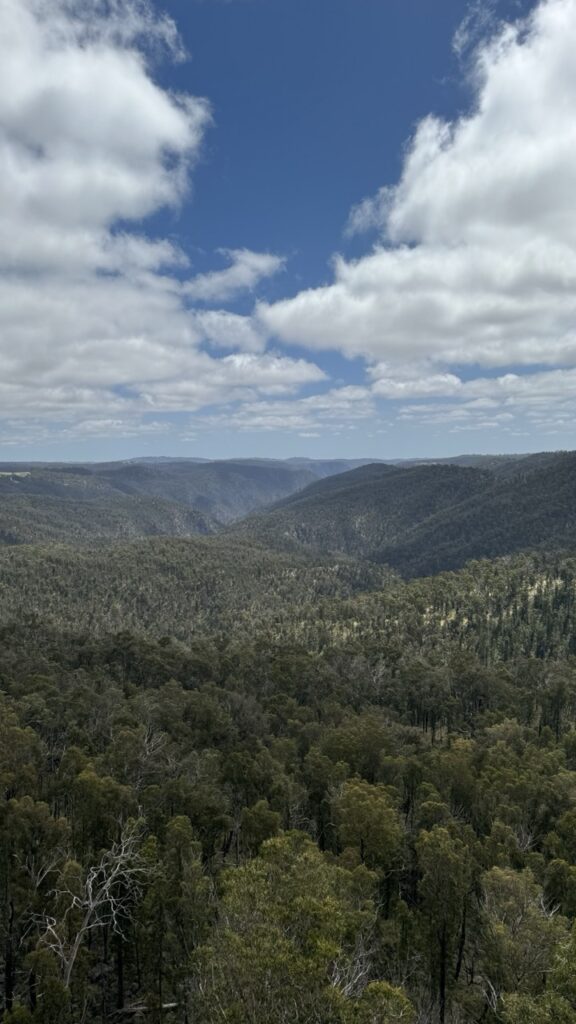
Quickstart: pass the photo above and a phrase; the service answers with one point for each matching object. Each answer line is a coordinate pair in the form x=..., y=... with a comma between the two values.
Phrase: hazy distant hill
x=33, y=518
x=173, y=497
x=225, y=490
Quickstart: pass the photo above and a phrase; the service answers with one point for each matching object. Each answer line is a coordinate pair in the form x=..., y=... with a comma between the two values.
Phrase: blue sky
x=313, y=103
x=287, y=227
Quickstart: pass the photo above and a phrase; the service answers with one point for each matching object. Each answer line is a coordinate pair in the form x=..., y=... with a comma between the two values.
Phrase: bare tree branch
x=106, y=899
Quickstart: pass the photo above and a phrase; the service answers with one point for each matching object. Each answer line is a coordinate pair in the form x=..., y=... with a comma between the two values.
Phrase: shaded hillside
x=532, y=510
x=225, y=490
x=343, y=485
x=143, y=496
x=362, y=512
x=30, y=519
x=428, y=518
x=74, y=503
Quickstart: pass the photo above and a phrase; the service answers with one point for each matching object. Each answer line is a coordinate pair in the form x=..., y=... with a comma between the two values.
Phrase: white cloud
x=95, y=323
x=87, y=136
x=122, y=427
x=240, y=376
x=335, y=410
x=371, y=214
x=413, y=386
x=542, y=401
x=478, y=260
x=222, y=329
x=247, y=269
x=479, y=20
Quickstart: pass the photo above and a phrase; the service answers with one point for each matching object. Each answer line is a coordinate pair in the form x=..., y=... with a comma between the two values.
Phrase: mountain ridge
x=428, y=518
x=141, y=497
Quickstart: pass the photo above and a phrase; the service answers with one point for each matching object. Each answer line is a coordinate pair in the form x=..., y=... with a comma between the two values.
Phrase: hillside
x=362, y=512
x=427, y=518
x=171, y=586
x=535, y=509
x=168, y=497
x=29, y=519
x=219, y=586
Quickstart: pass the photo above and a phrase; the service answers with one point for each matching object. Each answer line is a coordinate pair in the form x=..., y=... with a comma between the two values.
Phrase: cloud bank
x=464, y=311
x=475, y=267
x=95, y=316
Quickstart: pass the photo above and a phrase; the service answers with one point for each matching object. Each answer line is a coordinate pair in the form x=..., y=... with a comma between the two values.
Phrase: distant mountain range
x=424, y=518
x=143, y=497
x=418, y=517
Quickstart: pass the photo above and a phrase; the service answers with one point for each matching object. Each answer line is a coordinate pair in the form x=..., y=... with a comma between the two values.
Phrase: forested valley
x=275, y=780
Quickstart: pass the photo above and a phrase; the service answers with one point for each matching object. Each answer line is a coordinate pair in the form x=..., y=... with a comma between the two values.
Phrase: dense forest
x=426, y=518
x=142, y=497
x=268, y=784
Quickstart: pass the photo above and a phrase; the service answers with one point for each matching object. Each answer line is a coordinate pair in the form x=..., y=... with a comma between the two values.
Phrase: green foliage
x=557, y=1003
x=424, y=519
x=433, y=867
x=246, y=786
x=288, y=941
x=381, y=1003
x=367, y=820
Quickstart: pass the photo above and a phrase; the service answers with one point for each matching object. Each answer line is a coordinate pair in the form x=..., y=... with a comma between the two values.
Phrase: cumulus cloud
x=246, y=270
x=476, y=264
x=95, y=322
x=104, y=327
x=87, y=137
x=239, y=376
x=222, y=329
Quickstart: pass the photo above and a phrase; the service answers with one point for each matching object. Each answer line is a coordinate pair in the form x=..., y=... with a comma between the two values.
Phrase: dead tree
x=105, y=899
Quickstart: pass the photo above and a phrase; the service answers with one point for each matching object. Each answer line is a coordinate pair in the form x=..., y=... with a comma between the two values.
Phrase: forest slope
x=171, y=586
x=168, y=497
x=531, y=510
x=361, y=512
x=28, y=519
x=206, y=586
x=428, y=518
x=241, y=784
